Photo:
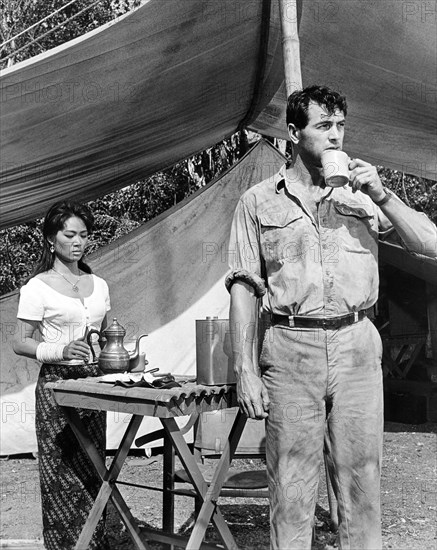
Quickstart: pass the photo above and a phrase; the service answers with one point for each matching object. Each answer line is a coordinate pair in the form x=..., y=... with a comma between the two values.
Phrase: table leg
x=168, y=485
x=209, y=495
x=109, y=477
x=213, y=493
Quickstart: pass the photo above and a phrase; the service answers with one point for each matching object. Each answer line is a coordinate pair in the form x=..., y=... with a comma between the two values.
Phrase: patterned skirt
x=69, y=482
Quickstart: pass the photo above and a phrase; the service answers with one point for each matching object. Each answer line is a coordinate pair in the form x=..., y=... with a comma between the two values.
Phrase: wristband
x=50, y=353
x=388, y=196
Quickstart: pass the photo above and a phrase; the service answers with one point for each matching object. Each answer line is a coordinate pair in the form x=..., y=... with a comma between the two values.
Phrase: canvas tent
x=162, y=277
x=171, y=79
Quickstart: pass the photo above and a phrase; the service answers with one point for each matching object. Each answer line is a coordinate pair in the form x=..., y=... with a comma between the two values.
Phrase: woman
x=61, y=301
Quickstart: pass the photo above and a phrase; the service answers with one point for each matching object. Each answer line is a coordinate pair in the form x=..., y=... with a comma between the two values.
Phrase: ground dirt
x=409, y=499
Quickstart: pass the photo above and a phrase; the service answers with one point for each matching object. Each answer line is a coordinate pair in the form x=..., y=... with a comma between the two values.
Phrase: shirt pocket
x=280, y=234
x=356, y=228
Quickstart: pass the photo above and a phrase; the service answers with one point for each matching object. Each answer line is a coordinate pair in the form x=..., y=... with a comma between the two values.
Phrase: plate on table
x=122, y=377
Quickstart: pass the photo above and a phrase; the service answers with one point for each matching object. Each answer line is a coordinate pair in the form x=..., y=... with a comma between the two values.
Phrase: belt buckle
x=332, y=323
x=291, y=323
x=328, y=323
x=356, y=317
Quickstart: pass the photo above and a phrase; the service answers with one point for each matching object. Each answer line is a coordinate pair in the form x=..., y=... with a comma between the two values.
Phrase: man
x=311, y=252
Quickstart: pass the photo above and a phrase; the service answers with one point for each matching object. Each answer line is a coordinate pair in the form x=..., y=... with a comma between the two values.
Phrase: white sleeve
x=107, y=298
x=31, y=304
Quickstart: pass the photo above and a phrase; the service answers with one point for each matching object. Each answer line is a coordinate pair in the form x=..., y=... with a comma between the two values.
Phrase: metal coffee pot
x=114, y=357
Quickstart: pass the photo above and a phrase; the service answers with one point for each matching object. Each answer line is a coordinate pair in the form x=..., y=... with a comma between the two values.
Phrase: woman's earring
x=52, y=248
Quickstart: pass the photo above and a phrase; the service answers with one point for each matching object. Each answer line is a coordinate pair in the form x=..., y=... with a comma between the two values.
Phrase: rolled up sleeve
x=244, y=251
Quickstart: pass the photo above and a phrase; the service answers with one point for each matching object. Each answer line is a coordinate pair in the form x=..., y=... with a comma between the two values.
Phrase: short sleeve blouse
x=63, y=318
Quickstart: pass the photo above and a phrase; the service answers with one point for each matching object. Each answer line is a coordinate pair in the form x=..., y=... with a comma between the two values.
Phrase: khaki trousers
x=324, y=383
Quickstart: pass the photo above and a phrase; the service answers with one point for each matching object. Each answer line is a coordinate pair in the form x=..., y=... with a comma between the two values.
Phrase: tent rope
x=50, y=31
x=3, y=44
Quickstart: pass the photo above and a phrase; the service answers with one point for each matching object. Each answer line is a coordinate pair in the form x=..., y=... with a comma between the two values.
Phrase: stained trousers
x=324, y=384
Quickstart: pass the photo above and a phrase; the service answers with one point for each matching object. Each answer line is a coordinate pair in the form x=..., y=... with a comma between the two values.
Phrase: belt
x=332, y=323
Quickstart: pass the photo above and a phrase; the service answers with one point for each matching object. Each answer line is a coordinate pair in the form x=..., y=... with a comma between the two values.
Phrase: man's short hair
x=298, y=101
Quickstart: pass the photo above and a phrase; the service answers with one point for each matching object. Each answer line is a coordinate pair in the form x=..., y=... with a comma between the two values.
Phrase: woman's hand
x=77, y=349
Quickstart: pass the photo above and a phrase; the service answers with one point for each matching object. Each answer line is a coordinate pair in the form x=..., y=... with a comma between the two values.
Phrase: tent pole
x=290, y=45
x=432, y=317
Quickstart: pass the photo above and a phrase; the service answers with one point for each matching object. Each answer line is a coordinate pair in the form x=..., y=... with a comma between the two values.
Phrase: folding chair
x=210, y=435
x=239, y=483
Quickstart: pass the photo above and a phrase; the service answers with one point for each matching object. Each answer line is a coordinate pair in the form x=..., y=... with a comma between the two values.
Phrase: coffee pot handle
x=89, y=342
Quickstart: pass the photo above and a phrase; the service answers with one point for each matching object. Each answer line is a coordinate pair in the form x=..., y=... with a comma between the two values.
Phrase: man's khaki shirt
x=324, y=267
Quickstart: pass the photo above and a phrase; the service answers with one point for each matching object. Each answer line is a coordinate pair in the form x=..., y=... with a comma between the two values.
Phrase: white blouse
x=62, y=318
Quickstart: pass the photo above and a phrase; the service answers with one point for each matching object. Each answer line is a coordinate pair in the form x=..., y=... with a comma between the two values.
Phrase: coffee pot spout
x=137, y=360
x=134, y=354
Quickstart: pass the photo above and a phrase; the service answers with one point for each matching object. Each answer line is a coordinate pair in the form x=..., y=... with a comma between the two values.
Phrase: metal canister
x=213, y=352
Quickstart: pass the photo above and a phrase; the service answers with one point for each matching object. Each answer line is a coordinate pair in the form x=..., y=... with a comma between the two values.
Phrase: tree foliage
x=419, y=193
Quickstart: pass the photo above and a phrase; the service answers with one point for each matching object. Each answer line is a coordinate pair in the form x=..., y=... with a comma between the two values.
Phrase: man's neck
x=305, y=174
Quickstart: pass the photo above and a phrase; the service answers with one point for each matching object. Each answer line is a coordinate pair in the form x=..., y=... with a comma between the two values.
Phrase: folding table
x=165, y=404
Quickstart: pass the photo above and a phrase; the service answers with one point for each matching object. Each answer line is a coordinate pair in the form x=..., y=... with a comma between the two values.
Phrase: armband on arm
x=50, y=353
x=250, y=278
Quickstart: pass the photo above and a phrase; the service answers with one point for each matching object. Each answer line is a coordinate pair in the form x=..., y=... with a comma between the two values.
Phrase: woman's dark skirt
x=69, y=481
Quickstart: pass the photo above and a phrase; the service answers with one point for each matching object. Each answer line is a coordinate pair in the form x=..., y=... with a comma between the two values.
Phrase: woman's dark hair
x=298, y=101
x=54, y=221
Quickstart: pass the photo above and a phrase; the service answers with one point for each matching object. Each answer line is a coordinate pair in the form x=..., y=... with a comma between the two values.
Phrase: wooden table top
x=93, y=393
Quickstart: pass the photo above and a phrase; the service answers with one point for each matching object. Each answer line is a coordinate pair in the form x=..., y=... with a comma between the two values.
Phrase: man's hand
x=364, y=177
x=252, y=395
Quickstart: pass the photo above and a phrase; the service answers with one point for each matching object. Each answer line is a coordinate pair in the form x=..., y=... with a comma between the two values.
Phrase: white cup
x=335, y=165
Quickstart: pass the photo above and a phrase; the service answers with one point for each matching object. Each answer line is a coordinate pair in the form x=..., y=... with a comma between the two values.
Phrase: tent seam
x=261, y=65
